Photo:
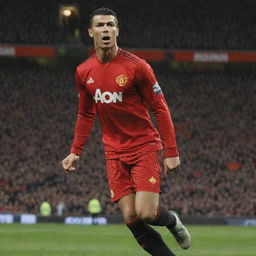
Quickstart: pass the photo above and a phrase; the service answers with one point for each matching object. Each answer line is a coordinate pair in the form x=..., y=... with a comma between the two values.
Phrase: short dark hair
x=103, y=11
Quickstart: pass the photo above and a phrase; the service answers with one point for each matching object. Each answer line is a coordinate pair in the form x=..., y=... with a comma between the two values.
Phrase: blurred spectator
x=45, y=209
x=94, y=208
x=61, y=207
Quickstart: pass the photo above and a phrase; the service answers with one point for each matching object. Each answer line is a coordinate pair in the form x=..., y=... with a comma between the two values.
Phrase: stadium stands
x=215, y=124
x=32, y=22
x=183, y=24
x=147, y=23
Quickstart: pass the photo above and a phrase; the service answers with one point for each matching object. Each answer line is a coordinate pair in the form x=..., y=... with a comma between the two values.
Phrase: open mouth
x=106, y=39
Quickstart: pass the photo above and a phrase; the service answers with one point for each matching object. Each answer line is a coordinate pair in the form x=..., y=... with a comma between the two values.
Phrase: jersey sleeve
x=85, y=117
x=153, y=97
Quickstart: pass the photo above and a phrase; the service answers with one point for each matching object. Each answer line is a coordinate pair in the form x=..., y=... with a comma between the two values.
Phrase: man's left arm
x=166, y=129
x=154, y=98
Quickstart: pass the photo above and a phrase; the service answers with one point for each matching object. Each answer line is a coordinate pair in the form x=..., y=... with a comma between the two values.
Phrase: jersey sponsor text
x=107, y=97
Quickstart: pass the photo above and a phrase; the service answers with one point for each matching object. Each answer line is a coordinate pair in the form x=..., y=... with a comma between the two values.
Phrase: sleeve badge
x=157, y=89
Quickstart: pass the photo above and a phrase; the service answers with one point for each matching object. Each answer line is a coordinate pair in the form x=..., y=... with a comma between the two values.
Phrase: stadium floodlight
x=67, y=12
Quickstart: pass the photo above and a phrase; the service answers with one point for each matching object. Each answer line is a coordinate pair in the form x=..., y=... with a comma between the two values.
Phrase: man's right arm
x=84, y=123
x=85, y=117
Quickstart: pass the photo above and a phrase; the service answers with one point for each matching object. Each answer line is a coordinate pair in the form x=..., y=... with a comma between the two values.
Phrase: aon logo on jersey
x=108, y=97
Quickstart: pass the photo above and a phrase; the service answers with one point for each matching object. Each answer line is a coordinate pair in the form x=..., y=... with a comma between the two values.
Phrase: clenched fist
x=69, y=163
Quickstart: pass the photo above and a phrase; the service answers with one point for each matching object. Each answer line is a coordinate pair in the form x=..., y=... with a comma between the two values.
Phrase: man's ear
x=90, y=32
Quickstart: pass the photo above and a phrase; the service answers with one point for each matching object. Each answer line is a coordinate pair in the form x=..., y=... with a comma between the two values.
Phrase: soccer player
x=121, y=88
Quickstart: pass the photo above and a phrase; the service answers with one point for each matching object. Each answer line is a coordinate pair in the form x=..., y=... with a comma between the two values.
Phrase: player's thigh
x=127, y=206
x=146, y=204
x=119, y=179
x=146, y=172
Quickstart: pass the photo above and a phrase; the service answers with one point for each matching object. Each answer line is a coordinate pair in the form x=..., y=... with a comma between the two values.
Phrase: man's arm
x=70, y=162
x=85, y=117
x=154, y=98
x=167, y=132
x=84, y=123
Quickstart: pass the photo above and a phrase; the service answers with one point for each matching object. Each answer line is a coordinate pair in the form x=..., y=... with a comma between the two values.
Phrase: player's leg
x=150, y=240
x=148, y=209
x=146, y=175
x=127, y=207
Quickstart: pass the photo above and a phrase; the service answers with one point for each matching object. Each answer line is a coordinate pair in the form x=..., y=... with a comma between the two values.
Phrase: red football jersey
x=122, y=92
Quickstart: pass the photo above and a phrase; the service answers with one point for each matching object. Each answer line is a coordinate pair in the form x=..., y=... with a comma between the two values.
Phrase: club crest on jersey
x=107, y=97
x=157, y=89
x=121, y=80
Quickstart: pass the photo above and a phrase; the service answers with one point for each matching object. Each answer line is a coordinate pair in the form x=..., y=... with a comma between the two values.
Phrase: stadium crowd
x=154, y=24
x=32, y=22
x=214, y=115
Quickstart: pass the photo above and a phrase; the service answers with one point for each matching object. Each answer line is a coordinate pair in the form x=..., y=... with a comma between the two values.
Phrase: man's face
x=104, y=31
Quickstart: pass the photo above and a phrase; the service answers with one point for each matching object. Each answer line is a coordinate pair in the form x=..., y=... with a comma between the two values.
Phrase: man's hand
x=69, y=163
x=171, y=163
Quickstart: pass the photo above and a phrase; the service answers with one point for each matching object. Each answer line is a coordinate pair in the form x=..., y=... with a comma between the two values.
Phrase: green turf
x=115, y=240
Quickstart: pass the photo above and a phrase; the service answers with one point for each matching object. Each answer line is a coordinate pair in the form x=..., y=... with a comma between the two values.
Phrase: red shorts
x=139, y=172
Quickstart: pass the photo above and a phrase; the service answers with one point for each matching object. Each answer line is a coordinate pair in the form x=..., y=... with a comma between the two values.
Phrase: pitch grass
x=116, y=240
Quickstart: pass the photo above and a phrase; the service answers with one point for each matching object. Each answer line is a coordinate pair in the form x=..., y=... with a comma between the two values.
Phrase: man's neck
x=106, y=55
